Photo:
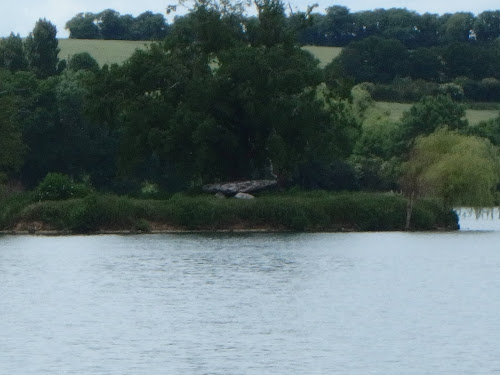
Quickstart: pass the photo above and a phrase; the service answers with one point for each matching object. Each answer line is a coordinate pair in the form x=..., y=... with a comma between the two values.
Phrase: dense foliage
x=111, y=25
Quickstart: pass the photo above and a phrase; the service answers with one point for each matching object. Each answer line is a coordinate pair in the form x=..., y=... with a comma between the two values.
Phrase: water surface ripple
x=356, y=303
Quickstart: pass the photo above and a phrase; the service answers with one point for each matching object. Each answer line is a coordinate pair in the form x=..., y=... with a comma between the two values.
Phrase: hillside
x=104, y=51
x=117, y=51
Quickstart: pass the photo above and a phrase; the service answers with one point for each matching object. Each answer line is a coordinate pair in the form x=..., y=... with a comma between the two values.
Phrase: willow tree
x=458, y=169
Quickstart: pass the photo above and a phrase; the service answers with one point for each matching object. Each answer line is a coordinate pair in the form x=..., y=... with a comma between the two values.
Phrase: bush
x=57, y=186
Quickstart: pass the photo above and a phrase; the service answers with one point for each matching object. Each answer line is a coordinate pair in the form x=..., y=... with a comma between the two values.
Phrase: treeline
x=225, y=97
x=339, y=27
x=464, y=70
x=406, y=55
x=111, y=25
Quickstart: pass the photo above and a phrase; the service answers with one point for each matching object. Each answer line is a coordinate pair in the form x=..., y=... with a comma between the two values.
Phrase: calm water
x=361, y=303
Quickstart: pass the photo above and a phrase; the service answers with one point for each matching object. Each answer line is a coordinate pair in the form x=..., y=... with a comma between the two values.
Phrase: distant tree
x=42, y=49
x=112, y=26
x=456, y=27
x=339, y=26
x=428, y=30
x=149, y=26
x=400, y=24
x=374, y=59
x=425, y=63
x=471, y=60
x=83, y=61
x=431, y=113
x=12, y=55
x=487, y=25
x=83, y=26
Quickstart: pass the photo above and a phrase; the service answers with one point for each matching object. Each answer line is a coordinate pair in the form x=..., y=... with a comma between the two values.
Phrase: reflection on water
x=487, y=219
x=360, y=303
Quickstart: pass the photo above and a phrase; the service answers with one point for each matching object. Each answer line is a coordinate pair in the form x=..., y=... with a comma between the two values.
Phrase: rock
x=232, y=188
x=244, y=196
x=220, y=196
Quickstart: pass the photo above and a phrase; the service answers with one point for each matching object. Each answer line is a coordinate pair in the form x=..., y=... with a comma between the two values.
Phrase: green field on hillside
x=117, y=51
x=324, y=54
x=474, y=116
x=104, y=51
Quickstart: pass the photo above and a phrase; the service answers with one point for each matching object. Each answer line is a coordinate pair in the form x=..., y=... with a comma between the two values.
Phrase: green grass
x=324, y=54
x=474, y=116
x=104, y=51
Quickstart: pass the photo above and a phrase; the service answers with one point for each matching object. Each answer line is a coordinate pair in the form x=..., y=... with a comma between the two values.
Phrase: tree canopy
x=461, y=170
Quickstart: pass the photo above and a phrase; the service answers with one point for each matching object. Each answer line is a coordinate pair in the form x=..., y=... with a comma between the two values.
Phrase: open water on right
x=340, y=303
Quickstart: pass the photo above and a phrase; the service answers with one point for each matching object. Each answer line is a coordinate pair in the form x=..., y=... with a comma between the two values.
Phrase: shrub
x=57, y=186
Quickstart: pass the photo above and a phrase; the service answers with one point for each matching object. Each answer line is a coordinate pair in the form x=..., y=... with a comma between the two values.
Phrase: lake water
x=344, y=303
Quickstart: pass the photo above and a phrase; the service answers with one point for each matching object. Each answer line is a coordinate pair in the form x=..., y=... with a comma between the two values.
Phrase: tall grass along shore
x=312, y=212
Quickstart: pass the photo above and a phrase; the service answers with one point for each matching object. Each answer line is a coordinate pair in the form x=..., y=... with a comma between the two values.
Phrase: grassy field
x=104, y=51
x=324, y=54
x=474, y=116
x=117, y=51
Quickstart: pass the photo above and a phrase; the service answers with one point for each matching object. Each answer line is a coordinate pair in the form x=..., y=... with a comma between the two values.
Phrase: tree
x=425, y=63
x=83, y=61
x=83, y=26
x=339, y=26
x=149, y=26
x=431, y=113
x=374, y=59
x=12, y=55
x=112, y=26
x=487, y=25
x=42, y=49
x=12, y=148
x=456, y=27
x=460, y=170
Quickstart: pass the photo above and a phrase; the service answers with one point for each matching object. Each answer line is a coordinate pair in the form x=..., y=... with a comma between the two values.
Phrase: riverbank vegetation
x=227, y=97
x=295, y=211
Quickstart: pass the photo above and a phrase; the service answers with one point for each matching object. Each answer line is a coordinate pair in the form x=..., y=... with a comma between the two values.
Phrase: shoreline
x=302, y=213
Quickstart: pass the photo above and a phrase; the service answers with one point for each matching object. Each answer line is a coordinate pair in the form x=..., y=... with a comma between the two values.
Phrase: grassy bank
x=317, y=211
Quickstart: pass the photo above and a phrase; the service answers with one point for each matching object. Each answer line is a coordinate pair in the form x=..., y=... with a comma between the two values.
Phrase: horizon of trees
x=336, y=27
x=111, y=25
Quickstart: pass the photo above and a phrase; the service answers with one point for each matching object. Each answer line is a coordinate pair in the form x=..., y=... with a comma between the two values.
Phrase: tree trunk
x=409, y=209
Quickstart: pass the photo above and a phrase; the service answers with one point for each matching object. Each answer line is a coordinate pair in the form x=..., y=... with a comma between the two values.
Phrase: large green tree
x=12, y=56
x=42, y=49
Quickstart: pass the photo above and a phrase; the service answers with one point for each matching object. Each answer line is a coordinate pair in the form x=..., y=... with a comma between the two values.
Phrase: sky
x=20, y=16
